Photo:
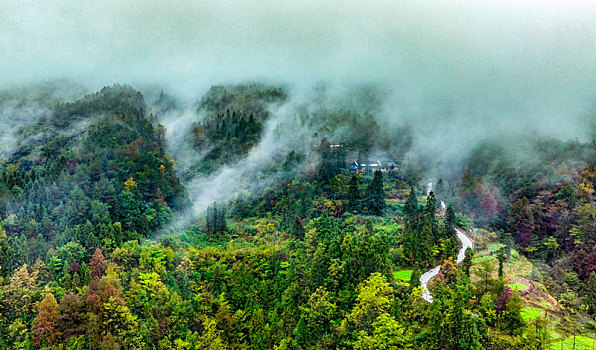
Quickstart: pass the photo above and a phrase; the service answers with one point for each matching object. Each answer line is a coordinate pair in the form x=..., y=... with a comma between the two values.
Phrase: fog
x=456, y=72
x=512, y=52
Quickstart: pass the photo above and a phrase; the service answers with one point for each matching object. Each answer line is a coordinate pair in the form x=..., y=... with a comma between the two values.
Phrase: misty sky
x=532, y=59
x=447, y=44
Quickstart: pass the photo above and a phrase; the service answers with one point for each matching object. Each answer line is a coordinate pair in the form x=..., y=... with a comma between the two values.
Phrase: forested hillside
x=92, y=173
x=320, y=257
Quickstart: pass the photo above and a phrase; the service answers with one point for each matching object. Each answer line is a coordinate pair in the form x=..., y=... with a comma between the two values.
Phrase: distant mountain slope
x=94, y=170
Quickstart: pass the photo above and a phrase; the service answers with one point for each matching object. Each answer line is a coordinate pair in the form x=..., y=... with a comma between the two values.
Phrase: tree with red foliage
x=488, y=203
x=449, y=270
x=521, y=221
x=503, y=299
x=109, y=312
x=44, y=325
x=71, y=316
x=97, y=264
x=584, y=260
x=475, y=197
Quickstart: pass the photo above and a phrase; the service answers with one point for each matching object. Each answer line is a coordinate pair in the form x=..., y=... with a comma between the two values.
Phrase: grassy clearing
x=530, y=313
x=581, y=343
x=403, y=276
x=482, y=258
x=517, y=286
x=493, y=247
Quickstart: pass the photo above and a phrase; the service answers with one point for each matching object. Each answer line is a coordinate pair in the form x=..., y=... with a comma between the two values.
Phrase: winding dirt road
x=430, y=274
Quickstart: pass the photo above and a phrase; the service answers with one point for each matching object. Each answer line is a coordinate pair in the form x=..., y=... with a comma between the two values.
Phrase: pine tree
x=353, y=196
x=467, y=263
x=501, y=257
x=411, y=207
x=450, y=222
x=5, y=253
x=221, y=220
x=440, y=188
x=326, y=169
x=376, y=194
x=429, y=214
x=215, y=220
x=211, y=219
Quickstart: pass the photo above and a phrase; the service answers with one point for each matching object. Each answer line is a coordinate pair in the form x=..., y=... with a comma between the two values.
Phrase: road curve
x=430, y=274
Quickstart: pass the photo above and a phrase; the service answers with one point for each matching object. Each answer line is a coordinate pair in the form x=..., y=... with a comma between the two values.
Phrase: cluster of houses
x=370, y=166
x=361, y=167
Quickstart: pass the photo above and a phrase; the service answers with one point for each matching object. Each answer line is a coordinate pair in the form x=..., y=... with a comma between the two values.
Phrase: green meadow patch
x=517, y=286
x=581, y=343
x=403, y=276
x=530, y=313
x=482, y=258
x=493, y=247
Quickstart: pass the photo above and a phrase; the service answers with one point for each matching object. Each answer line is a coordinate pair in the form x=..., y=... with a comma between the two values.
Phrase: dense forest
x=322, y=255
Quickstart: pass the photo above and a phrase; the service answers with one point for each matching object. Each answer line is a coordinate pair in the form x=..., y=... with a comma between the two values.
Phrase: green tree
x=450, y=222
x=501, y=257
x=215, y=220
x=317, y=316
x=411, y=207
x=375, y=297
x=415, y=278
x=510, y=319
x=5, y=253
x=467, y=263
x=376, y=194
x=353, y=195
x=484, y=275
x=452, y=325
x=211, y=337
x=387, y=334
x=430, y=217
x=537, y=335
x=591, y=292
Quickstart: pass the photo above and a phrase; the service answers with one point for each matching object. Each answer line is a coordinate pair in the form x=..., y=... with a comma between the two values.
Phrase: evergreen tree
x=591, y=292
x=327, y=167
x=429, y=215
x=215, y=220
x=5, y=253
x=450, y=222
x=501, y=257
x=353, y=196
x=440, y=189
x=376, y=194
x=415, y=278
x=467, y=263
x=211, y=219
x=411, y=207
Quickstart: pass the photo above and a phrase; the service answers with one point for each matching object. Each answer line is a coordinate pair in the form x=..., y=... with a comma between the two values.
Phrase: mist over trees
x=99, y=225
